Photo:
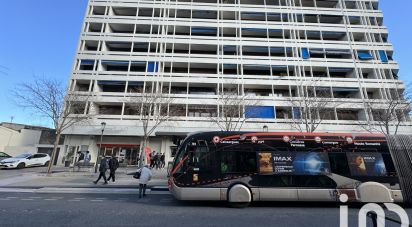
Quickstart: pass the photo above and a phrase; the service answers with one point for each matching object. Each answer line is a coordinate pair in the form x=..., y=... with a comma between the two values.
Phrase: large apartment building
x=276, y=52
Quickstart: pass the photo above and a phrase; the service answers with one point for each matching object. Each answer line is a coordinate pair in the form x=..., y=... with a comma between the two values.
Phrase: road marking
x=50, y=199
x=78, y=198
x=57, y=197
x=11, y=197
x=73, y=200
x=1, y=199
x=27, y=199
x=100, y=198
x=96, y=200
x=35, y=197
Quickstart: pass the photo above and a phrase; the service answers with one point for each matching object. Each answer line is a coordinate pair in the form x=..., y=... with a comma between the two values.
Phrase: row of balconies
x=116, y=48
x=98, y=9
x=244, y=16
x=303, y=33
x=127, y=110
x=130, y=88
x=153, y=68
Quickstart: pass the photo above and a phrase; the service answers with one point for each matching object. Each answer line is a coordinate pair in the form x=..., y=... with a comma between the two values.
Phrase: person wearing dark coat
x=113, y=165
x=102, y=169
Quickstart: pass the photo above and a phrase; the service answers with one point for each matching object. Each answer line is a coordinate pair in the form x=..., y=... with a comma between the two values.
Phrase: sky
x=39, y=38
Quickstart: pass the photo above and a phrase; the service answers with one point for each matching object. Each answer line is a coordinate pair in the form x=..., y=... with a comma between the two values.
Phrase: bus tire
x=239, y=196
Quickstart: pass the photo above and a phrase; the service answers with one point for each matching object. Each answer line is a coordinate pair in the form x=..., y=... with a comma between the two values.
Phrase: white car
x=25, y=160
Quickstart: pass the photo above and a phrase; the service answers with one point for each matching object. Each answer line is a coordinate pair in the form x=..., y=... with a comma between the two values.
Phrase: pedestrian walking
x=152, y=155
x=145, y=177
x=113, y=165
x=104, y=165
x=156, y=161
x=162, y=161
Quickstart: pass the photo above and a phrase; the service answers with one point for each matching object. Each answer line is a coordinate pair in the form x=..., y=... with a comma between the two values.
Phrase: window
x=339, y=163
x=199, y=159
x=390, y=166
x=296, y=113
x=237, y=161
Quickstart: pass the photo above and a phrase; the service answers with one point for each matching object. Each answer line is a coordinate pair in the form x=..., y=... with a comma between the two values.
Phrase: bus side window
x=390, y=166
x=233, y=161
x=339, y=163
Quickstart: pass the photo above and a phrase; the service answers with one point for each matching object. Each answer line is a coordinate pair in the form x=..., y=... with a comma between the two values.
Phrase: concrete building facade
x=16, y=139
x=273, y=51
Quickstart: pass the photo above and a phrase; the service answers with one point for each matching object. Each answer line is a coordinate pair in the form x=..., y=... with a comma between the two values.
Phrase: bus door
x=199, y=165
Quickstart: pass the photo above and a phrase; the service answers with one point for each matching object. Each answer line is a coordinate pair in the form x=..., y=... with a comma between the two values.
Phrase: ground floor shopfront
x=126, y=149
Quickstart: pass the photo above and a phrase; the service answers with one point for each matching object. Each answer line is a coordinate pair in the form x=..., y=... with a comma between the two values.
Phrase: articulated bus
x=243, y=167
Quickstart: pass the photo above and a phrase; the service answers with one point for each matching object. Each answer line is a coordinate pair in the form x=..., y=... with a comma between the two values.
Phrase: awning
x=345, y=89
x=115, y=62
x=340, y=69
x=87, y=62
x=160, y=133
x=108, y=82
x=205, y=30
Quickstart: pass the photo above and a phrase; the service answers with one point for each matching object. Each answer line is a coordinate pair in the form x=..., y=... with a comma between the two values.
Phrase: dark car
x=4, y=156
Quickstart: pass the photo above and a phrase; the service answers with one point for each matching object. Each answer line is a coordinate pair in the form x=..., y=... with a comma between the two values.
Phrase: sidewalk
x=66, y=178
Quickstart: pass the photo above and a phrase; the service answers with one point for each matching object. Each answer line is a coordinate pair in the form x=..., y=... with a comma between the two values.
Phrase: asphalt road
x=29, y=209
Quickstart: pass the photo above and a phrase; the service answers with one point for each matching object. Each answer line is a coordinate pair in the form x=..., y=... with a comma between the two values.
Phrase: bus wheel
x=239, y=196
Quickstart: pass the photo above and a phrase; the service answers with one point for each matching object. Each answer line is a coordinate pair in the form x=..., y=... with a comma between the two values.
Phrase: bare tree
x=391, y=113
x=234, y=108
x=46, y=97
x=153, y=109
x=312, y=107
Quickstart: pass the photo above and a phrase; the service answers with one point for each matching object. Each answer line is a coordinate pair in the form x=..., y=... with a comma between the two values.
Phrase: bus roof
x=319, y=134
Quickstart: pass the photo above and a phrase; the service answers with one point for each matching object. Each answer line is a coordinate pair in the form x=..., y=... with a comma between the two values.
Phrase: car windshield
x=23, y=156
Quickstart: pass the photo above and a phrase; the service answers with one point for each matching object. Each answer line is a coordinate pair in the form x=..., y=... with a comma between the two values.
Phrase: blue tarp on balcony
x=383, y=56
x=305, y=53
x=259, y=112
x=152, y=67
x=363, y=55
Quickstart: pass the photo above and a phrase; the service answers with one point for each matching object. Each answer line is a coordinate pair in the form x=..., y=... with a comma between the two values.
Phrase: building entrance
x=127, y=154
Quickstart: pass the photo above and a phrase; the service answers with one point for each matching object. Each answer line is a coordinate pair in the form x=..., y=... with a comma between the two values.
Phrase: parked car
x=4, y=156
x=25, y=160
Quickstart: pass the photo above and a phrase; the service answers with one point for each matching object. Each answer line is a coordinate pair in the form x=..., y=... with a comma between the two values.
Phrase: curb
x=56, y=190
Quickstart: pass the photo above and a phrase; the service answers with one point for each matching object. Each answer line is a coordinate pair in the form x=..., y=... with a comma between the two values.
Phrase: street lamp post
x=103, y=124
